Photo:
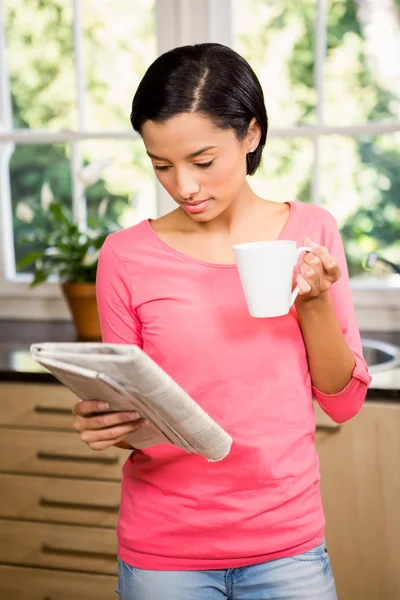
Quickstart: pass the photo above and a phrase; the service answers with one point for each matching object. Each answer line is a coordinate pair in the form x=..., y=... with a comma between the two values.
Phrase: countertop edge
x=16, y=364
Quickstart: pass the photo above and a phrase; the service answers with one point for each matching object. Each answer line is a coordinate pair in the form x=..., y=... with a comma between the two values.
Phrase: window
x=69, y=70
x=331, y=78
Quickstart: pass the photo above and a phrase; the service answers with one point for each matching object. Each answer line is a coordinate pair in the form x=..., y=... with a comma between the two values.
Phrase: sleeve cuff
x=345, y=404
x=360, y=373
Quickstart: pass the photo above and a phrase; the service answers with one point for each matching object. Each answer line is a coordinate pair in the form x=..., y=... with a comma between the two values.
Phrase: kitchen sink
x=380, y=356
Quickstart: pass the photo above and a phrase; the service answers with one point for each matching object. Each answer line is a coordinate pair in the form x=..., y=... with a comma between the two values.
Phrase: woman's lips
x=195, y=207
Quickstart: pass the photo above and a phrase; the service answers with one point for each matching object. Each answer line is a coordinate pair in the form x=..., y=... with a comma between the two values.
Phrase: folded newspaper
x=128, y=379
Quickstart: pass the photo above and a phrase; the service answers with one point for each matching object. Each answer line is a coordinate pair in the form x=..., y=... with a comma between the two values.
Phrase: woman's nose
x=187, y=185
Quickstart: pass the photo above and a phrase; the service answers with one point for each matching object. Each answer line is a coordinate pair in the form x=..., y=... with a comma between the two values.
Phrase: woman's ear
x=253, y=135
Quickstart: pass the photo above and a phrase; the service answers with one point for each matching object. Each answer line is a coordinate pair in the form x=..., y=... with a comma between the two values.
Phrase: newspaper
x=128, y=379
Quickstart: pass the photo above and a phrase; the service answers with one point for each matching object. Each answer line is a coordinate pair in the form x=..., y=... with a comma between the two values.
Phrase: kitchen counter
x=16, y=363
x=16, y=337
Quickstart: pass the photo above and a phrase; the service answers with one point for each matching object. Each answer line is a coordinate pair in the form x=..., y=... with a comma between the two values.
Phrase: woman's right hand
x=101, y=431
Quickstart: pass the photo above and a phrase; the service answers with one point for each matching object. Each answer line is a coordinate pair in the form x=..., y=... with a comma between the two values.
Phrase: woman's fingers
x=88, y=407
x=321, y=256
x=102, y=438
x=318, y=271
x=105, y=420
x=107, y=444
x=100, y=428
x=304, y=286
x=309, y=275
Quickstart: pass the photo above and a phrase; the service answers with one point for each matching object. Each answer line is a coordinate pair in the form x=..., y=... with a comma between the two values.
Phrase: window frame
x=178, y=22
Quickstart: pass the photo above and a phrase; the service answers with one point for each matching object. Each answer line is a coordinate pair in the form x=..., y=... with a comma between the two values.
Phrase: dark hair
x=206, y=78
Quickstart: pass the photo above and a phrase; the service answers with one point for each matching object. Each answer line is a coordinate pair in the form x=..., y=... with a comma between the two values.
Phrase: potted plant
x=60, y=250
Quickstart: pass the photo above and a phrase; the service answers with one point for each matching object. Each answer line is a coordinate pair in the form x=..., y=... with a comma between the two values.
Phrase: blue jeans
x=307, y=576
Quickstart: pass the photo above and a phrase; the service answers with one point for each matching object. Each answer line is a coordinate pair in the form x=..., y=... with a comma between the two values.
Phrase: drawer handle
x=52, y=410
x=77, y=505
x=104, y=460
x=328, y=427
x=48, y=549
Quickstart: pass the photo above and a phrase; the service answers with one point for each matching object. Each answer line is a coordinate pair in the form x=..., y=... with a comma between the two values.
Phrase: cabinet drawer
x=85, y=549
x=56, y=500
x=57, y=453
x=22, y=583
x=36, y=405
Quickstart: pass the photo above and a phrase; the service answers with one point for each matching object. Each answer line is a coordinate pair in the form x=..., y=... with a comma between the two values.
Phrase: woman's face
x=202, y=167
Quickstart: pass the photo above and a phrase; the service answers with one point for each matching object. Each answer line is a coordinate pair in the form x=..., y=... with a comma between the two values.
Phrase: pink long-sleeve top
x=262, y=501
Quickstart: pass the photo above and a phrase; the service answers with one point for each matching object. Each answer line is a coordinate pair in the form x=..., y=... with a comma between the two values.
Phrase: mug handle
x=296, y=290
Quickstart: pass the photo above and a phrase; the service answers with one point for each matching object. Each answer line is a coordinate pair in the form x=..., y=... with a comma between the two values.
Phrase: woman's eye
x=204, y=165
x=166, y=167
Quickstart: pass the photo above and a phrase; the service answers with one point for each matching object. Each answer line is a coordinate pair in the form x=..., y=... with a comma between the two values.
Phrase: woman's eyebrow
x=192, y=155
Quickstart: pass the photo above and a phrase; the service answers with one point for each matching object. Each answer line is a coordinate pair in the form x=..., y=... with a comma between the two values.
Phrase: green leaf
x=40, y=277
x=28, y=259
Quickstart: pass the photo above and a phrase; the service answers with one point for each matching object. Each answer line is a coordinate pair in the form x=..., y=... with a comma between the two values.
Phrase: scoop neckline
x=212, y=264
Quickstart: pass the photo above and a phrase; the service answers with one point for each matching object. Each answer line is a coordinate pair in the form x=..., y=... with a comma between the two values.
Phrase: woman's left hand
x=318, y=271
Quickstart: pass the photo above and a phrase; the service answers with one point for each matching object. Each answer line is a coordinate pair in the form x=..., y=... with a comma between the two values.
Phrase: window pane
x=119, y=45
x=277, y=37
x=285, y=172
x=40, y=63
x=362, y=68
x=126, y=188
x=37, y=173
x=361, y=188
x=123, y=189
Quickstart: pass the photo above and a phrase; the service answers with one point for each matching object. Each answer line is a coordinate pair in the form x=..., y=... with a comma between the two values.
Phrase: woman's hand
x=318, y=271
x=101, y=431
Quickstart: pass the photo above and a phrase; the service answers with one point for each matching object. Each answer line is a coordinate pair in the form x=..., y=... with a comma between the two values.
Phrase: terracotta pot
x=81, y=299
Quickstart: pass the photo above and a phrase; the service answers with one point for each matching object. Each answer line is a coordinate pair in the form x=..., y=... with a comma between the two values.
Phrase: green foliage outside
x=360, y=176
x=40, y=56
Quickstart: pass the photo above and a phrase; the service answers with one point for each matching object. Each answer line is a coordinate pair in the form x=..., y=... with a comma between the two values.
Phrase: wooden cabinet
x=59, y=500
x=360, y=485
x=22, y=583
x=56, y=500
x=55, y=453
x=71, y=547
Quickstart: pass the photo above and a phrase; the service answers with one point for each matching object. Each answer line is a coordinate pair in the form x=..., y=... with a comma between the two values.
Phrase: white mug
x=266, y=272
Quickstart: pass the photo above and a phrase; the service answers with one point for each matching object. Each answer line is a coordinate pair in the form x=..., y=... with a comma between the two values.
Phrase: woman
x=250, y=526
